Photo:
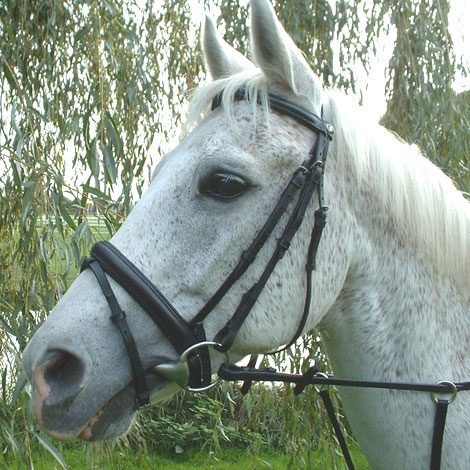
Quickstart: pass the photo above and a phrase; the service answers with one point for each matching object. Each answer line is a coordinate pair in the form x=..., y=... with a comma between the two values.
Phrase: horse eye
x=223, y=186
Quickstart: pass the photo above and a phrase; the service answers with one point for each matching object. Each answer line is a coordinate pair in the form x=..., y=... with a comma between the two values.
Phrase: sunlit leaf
x=9, y=75
x=51, y=449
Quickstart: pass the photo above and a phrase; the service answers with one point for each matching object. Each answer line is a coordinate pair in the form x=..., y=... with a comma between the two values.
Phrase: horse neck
x=397, y=313
x=397, y=318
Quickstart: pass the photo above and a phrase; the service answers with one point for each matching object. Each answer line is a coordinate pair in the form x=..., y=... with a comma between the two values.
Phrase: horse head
x=216, y=259
x=208, y=199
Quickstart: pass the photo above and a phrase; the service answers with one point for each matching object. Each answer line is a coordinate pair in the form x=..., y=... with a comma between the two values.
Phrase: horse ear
x=222, y=60
x=279, y=58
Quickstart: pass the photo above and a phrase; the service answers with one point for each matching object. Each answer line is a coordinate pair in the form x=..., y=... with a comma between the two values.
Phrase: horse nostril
x=60, y=377
x=65, y=371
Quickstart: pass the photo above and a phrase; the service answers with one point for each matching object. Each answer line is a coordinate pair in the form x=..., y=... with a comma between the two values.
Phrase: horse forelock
x=252, y=80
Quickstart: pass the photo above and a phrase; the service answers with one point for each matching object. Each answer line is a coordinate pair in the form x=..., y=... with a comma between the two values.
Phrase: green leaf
x=109, y=164
x=7, y=327
x=113, y=133
x=95, y=191
x=19, y=387
x=81, y=33
x=30, y=188
x=16, y=170
x=43, y=270
x=11, y=438
x=9, y=76
x=66, y=216
x=51, y=449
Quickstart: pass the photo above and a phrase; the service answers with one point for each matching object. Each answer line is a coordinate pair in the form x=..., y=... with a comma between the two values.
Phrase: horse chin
x=116, y=417
x=112, y=420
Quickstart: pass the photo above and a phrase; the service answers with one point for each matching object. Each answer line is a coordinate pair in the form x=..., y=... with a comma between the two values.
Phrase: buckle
x=452, y=389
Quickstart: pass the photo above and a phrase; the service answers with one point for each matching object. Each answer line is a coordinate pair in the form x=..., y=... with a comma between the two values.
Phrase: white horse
x=391, y=289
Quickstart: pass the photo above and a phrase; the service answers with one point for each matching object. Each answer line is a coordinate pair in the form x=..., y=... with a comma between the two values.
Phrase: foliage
x=422, y=106
x=86, y=92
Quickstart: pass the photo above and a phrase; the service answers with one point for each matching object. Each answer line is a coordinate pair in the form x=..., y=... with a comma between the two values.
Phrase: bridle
x=192, y=370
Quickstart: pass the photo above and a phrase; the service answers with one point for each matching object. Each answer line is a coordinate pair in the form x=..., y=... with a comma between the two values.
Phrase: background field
x=228, y=460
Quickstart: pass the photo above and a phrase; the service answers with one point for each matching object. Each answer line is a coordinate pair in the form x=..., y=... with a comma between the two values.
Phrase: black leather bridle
x=193, y=369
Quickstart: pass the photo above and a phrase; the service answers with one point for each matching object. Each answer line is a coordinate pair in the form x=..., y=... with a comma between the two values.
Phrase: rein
x=248, y=375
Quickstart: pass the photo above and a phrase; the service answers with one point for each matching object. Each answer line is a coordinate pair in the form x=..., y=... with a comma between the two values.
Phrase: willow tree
x=90, y=91
x=422, y=106
x=85, y=87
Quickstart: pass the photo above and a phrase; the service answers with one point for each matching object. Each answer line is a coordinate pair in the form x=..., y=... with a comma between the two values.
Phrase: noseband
x=193, y=369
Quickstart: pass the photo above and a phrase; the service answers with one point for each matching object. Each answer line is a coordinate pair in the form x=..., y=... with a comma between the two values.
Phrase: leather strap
x=249, y=255
x=438, y=433
x=159, y=309
x=317, y=156
x=146, y=294
x=307, y=179
x=325, y=396
x=119, y=319
x=284, y=106
x=245, y=388
x=236, y=373
x=231, y=372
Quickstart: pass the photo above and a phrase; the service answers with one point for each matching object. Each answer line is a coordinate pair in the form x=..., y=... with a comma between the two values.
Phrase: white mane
x=424, y=203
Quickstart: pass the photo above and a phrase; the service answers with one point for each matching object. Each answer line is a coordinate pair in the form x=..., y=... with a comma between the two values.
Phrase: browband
x=284, y=106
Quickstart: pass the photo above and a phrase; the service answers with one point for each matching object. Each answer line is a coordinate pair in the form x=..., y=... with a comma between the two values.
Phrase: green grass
x=232, y=459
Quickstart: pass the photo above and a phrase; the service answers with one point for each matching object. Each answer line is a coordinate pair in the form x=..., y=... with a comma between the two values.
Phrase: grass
x=232, y=459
